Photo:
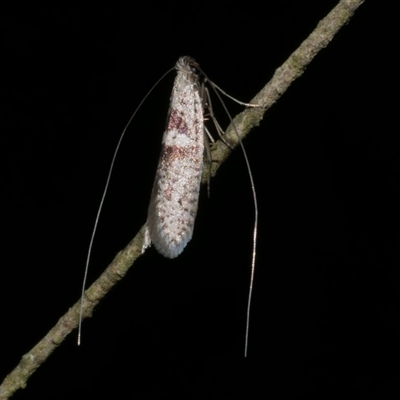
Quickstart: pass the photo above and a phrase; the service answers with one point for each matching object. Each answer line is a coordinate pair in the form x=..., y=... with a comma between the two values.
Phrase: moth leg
x=220, y=131
x=209, y=136
x=232, y=98
x=205, y=97
x=207, y=158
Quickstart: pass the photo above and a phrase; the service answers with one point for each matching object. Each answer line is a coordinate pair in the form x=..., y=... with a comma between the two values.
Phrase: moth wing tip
x=146, y=239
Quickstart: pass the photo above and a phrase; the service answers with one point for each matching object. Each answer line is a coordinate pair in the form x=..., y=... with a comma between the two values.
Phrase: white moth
x=175, y=195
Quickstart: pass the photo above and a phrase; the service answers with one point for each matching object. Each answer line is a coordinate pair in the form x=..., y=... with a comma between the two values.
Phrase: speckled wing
x=175, y=194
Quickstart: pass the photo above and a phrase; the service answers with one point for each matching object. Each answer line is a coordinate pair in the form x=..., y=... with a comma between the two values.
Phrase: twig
x=244, y=122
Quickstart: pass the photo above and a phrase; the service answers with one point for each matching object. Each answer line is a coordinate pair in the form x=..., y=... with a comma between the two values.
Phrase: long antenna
x=253, y=190
x=102, y=202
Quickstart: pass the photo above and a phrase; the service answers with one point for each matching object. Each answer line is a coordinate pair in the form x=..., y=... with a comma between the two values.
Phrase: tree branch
x=290, y=70
x=244, y=122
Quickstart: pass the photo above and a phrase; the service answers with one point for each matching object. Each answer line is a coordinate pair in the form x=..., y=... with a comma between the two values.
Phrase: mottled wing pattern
x=175, y=194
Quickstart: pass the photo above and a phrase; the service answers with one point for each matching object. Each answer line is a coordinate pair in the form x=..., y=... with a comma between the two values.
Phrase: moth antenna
x=102, y=201
x=253, y=189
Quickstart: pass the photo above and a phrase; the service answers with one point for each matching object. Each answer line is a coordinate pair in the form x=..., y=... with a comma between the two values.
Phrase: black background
x=326, y=164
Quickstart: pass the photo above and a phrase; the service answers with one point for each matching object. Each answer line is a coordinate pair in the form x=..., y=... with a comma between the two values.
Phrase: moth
x=175, y=194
